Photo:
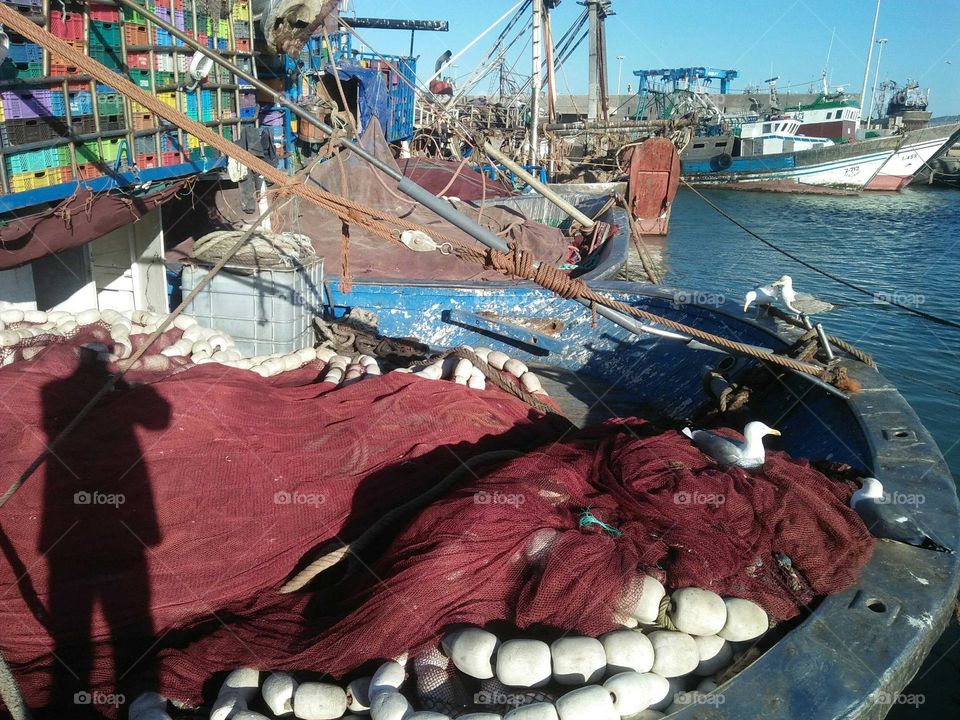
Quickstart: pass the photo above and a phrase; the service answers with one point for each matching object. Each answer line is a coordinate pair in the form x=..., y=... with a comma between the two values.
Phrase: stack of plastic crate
x=248, y=105
x=105, y=44
x=104, y=13
x=38, y=168
x=171, y=149
x=29, y=117
x=145, y=152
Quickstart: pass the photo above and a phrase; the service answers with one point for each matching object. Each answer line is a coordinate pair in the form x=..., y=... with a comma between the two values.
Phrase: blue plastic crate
x=164, y=37
x=170, y=142
x=81, y=103
x=248, y=113
x=27, y=52
x=145, y=145
x=223, y=44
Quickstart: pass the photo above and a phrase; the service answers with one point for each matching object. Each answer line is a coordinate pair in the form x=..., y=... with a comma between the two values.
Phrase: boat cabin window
x=829, y=115
x=698, y=145
x=768, y=127
x=721, y=144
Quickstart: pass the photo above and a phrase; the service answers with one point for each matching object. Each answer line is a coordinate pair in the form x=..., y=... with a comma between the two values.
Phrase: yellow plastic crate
x=20, y=182
x=168, y=98
x=138, y=109
x=193, y=141
x=241, y=11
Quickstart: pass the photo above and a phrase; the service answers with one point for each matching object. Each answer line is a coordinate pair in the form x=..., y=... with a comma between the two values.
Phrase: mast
x=535, y=101
x=866, y=70
x=593, y=63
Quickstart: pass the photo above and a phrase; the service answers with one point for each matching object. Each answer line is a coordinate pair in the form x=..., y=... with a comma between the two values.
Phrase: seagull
x=748, y=454
x=762, y=295
x=885, y=521
x=800, y=303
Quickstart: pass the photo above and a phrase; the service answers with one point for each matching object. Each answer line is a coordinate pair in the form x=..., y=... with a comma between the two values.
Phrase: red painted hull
x=888, y=182
x=652, y=182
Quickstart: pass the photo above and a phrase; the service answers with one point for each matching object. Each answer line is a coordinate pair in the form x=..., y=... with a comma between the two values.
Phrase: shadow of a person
x=98, y=521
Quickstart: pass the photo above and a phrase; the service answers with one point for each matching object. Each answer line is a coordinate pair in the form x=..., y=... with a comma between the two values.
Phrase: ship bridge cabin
x=778, y=135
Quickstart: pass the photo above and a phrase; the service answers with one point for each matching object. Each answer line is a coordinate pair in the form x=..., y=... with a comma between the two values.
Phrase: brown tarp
x=79, y=219
x=374, y=257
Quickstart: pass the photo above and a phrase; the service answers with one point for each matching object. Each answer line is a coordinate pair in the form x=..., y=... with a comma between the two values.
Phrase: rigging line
x=876, y=296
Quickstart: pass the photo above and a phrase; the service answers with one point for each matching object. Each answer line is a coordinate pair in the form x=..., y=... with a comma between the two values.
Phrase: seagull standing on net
x=748, y=454
x=884, y=520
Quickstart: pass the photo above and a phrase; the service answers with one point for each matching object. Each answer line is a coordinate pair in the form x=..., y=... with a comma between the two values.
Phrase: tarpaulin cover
x=374, y=257
x=79, y=219
x=175, y=512
x=373, y=97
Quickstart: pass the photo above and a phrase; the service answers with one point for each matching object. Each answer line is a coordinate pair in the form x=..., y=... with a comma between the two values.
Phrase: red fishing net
x=171, y=517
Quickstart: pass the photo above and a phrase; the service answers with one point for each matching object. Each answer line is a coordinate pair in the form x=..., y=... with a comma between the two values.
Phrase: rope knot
x=587, y=518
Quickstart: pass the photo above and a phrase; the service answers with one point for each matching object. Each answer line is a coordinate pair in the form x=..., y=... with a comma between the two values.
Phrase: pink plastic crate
x=66, y=26
x=104, y=13
x=138, y=60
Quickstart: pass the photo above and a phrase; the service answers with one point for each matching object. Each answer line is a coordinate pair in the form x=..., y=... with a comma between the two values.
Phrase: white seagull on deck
x=798, y=303
x=762, y=295
x=884, y=520
x=748, y=454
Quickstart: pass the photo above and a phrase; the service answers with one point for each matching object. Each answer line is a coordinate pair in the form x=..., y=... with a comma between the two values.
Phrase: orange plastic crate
x=136, y=34
x=88, y=171
x=147, y=161
x=144, y=121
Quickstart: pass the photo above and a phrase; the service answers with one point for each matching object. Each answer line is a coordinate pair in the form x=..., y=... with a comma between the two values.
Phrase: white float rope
x=639, y=667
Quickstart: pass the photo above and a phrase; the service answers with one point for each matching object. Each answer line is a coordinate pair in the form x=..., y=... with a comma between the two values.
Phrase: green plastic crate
x=132, y=17
x=104, y=34
x=141, y=78
x=164, y=79
x=105, y=150
x=110, y=104
x=37, y=160
x=10, y=70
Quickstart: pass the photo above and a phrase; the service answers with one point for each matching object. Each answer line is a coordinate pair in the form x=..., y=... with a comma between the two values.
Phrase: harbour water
x=904, y=246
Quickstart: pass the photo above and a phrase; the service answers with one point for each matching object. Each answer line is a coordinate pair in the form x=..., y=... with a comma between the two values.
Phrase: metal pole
x=535, y=101
x=619, y=74
x=593, y=64
x=873, y=96
x=866, y=70
x=533, y=182
x=467, y=46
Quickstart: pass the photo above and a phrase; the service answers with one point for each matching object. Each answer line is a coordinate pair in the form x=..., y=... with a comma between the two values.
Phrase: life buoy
x=721, y=162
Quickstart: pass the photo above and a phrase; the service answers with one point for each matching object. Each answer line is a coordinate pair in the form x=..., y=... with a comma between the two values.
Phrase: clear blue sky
x=789, y=38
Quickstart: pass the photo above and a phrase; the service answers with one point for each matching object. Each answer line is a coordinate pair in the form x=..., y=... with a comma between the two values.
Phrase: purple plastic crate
x=271, y=118
x=24, y=3
x=178, y=19
x=18, y=105
x=162, y=13
x=248, y=99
